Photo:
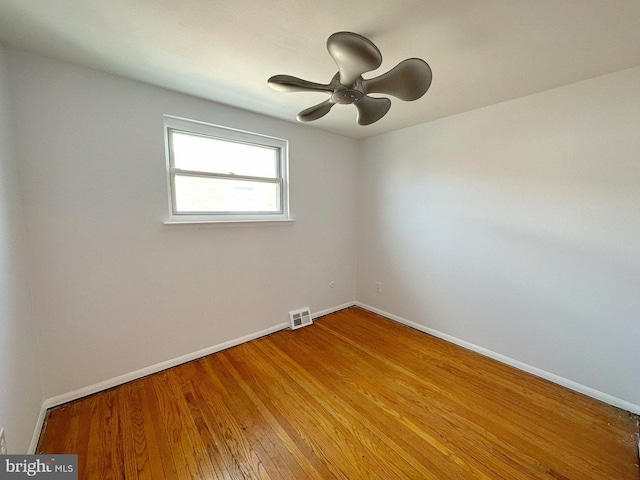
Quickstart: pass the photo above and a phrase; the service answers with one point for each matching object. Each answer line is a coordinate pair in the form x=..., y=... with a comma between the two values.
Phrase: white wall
x=116, y=291
x=20, y=380
x=516, y=227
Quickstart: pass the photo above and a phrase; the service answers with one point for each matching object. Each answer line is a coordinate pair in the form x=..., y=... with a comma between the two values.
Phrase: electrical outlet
x=378, y=287
x=3, y=443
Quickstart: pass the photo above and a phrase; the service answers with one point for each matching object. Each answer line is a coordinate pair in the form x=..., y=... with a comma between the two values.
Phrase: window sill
x=170, y=224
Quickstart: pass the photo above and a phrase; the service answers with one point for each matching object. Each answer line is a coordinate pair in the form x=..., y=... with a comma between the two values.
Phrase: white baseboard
x=135, y=375
x=143, y=372
x=322, y=313
x=571, y=385
x=36, y=432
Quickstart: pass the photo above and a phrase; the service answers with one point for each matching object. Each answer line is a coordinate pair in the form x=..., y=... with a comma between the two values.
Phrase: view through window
x=221, y=174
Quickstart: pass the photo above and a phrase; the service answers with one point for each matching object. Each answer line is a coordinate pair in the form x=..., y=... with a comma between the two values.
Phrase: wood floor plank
x=222, y=442
x=179, y=442
x=234, y=411
x=435, y=431
x=554, y=443
x=198, y=448
x=282, y=428
x=551, y=435
x=156, y=435
x=341, y=437
x=319, y=388
x=84, y=411
x=140, y=448
x=464, y=363
x=354, y=396
x=104, y=452
x=390, y=422
x=130, y=441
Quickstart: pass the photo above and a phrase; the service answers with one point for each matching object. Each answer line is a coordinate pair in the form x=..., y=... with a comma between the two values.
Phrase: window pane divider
x=236, y=192
x=229, y=176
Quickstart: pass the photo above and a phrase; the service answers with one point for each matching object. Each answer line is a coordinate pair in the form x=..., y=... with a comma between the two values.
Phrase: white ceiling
x=481, y=52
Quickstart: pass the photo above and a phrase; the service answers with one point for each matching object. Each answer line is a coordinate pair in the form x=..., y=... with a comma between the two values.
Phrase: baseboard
x=328, y=311
x=143, y=372
x=564, y=382
x=36, y=432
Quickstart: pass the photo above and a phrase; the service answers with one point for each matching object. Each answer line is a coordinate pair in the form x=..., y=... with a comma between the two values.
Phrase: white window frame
x=172, y=123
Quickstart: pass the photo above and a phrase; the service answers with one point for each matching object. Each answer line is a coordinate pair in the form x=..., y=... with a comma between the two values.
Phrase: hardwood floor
x=354, y=396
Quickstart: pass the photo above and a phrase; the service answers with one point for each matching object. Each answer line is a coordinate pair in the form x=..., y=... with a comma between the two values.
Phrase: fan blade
x=409, y=80
x=371, y=109
x=353, y=54
x=315, y=112
x=287, y=83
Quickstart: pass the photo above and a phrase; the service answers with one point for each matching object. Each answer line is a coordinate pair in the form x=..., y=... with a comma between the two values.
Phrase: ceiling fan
x=355, y=55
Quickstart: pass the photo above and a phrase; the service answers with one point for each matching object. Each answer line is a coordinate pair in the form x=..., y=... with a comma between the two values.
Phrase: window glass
x=206, y=154
x=202, y=194
x=218, y=174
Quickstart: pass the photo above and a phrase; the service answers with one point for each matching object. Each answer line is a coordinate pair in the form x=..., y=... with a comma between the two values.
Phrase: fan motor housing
x=346, y=96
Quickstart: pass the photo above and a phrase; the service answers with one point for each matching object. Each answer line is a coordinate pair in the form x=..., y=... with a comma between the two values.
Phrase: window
x=218, y=174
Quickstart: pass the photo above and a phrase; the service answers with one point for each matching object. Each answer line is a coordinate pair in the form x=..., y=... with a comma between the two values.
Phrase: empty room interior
x=299, y=239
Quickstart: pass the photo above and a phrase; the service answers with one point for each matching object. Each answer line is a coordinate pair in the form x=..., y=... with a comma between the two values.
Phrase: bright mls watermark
x=52, y=467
